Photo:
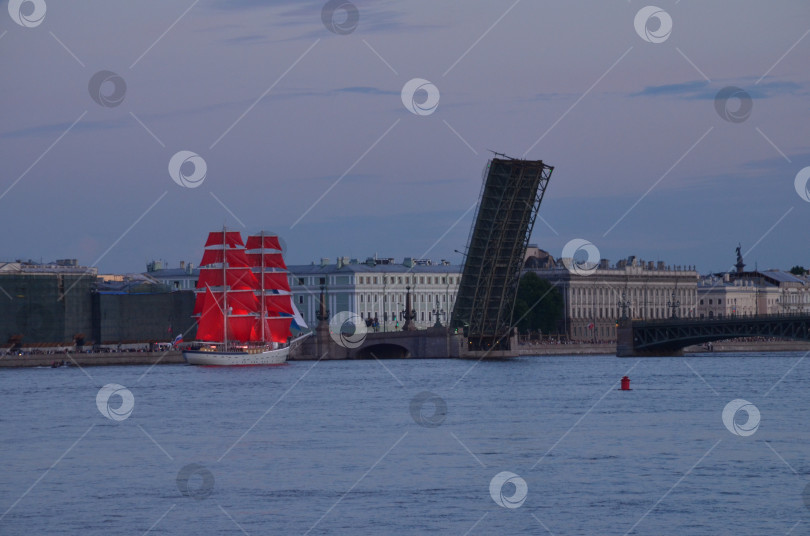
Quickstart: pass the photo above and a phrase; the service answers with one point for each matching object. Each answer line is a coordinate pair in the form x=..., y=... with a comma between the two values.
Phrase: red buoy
x=625, y=383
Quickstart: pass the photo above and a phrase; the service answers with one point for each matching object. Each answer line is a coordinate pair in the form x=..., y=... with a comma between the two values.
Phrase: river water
x=410, y=447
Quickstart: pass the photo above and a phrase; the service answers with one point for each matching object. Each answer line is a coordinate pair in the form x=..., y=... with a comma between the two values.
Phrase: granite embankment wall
x=718, y=347
x=92, y=359
x=771, y=346
x=567, y=349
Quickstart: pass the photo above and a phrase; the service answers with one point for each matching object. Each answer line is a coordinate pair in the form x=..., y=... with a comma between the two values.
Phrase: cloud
x=247, y=39
x=703, y=90
x=365, y=90
x=683, y=89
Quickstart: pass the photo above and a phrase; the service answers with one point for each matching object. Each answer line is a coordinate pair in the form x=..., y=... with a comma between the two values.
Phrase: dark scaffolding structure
x=510, y=199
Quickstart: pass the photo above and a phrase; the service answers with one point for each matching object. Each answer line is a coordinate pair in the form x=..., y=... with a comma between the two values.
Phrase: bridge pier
x=624, y=339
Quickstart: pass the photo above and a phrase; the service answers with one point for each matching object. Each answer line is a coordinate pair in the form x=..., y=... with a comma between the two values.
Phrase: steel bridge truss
x=511, y=195
x=669, y=335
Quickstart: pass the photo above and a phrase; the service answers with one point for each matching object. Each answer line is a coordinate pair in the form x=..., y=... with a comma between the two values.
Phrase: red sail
x=276, y=281
x=238, y=278
x=232, y=238
x=278, y=303
x=242, y=302
x=271, y=260
x=211, y=321
x=263, y=242
x=278, y=329
x=240, y=328
x=236, y=257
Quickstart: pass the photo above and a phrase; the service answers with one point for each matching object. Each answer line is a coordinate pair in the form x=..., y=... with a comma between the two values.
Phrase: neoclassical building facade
x=593, y=302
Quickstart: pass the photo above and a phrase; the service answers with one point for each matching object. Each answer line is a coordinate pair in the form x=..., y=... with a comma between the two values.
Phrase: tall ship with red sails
x=243, y=303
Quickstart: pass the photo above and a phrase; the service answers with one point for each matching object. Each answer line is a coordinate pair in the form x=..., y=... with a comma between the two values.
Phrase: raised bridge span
x=671, y=336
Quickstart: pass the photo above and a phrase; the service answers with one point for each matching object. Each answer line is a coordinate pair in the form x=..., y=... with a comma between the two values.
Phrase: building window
x=301, y=282
x=399, y=280
x=300, y=300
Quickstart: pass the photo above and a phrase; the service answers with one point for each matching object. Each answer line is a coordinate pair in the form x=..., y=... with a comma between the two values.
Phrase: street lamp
x=623, y=304
x=438, y=312
x=674, y=306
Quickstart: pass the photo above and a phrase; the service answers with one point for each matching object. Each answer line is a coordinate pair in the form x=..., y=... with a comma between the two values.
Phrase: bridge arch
x=382, y=350
x=671, y=336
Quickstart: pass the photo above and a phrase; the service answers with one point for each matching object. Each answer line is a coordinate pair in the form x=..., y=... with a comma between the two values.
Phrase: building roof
x=164, y=273
x=783, y=277
x=302, y=269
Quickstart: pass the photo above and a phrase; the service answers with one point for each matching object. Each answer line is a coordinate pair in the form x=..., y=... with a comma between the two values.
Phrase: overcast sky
x=303, y=129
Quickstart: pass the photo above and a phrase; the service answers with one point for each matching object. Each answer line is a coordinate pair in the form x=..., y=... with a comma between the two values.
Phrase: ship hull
x=235, y=359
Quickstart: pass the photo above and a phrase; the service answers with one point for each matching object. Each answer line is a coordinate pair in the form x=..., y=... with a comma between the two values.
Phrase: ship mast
x=225, y=287
x=263, y=317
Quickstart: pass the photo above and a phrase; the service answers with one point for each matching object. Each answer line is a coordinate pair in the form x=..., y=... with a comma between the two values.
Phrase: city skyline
x=304, y=131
